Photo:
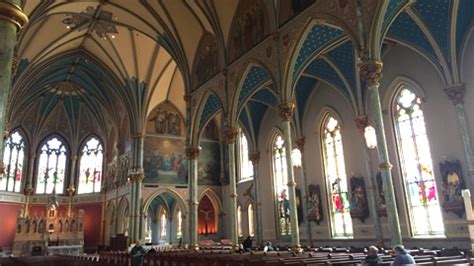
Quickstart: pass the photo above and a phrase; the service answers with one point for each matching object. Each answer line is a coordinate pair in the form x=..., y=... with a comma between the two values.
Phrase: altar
x=65, y=250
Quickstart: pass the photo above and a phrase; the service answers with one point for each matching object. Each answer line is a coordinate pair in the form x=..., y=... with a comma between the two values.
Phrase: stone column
x=371, y=72
x=300, y=145
x=135, y=177
x=456, y=94
x=286, y=110
x=466, y=194
x=70, y=192
x=192, y=154
x=255, y=158
x=28, y=193
x=361, y=123
x=72, y=177
x=12, y=19
x=231, y=136
x=31, y=171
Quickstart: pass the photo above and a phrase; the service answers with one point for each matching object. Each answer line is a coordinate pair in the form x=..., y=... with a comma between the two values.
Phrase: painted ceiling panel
x=393, y=7
x=257, y=110
x=256, y=76
x=317, y=39
x=304, y=87
x=435, y=13
x=404, y=29
x=213, y=104
x=243, y=118
x=343, y=57
x=266, y=96
x=322, y=70
x=464, y=22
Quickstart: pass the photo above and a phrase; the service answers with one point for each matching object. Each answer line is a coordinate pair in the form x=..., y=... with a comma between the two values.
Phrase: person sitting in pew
x=137, y=253
x=247, y=244
x=403, y=258
x=373, y=258
x=268, y=247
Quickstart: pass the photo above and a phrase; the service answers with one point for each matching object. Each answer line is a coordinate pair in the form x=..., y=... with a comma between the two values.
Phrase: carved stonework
x=136, y=177
x=361, y=122
x=192, y=153
x=371, y=72
x=456, y=93
x=286, y=110
x=70, y=190
x=254, y=157
x=299, y=143
x=231, y=135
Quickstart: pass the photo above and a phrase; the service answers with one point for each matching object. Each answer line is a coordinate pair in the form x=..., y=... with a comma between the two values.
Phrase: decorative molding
x=385, y=166
x=13, y=14
x=456, y=93
x=286, y=110
x=361, y=122
x=136, y=177
x=371, y=72
x=231, y=134
x=299, y=143
x=192, y=153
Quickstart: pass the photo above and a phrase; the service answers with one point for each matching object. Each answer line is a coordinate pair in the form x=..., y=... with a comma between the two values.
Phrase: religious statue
x=358, y=200
x=315, y=213
x=452, y=185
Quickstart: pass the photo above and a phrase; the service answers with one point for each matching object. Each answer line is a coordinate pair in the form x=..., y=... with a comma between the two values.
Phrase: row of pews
x=318, y=256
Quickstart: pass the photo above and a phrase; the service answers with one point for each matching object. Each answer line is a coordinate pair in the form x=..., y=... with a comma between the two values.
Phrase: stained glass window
x=163, y=224
x=280, y=177
x=335, y=170
x=417, y=167
x=13, y=159
x=251, y=220
x=179, y=224
x=90, y=173
x=246, y=166
x=239, y=221
x=51, y=167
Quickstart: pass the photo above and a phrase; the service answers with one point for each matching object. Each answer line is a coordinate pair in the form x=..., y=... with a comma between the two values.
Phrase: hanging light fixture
x=296, y=157
x=370, y=137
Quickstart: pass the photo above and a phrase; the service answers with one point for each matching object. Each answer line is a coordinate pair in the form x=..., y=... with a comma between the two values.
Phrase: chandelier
x=102, y=22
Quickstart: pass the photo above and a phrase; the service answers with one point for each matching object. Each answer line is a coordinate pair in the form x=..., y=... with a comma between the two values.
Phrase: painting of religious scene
x=209, y=163
x=164, y=160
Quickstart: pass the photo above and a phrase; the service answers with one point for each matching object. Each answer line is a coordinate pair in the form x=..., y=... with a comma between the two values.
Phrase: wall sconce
x=370, y=137
x=296, y=157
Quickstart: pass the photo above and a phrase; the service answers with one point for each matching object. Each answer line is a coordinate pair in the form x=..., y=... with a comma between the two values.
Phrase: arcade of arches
x=323, y=122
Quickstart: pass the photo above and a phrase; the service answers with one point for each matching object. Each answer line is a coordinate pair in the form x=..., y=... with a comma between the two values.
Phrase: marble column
x=255, y=158
x=456, y=95
x=300, y=145
x=361, y=123
x=286, y=110
x=371, y=72
x=135, y=177
x=230, y=138
x=192, y=154
x=12, y=19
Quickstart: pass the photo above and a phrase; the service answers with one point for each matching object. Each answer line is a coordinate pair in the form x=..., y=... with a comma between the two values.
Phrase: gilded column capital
x=371, y=71
x=286, y=110
x=385, y=166
x=456, y=93
x=136, y=177
x=13, y=14
x=192, y=153
x=299, y=143
x=231, y=135
x=28, y=191
x=70, y=190
x=361, y=122
x=254, y=157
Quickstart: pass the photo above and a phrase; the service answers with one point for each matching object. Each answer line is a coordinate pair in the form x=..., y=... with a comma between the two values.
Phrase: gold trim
x=231, y=135
x=192, y=153
x=286, y=110
x=291, y=184
x=13, y=14
x=136, y=177
x=371, y=72
x=385, y=166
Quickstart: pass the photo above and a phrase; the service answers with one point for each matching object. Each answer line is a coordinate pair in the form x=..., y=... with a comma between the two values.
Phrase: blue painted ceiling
x=213, y=104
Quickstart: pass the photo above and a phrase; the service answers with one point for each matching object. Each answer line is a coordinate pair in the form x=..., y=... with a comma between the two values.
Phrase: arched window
x=416, y=165
x=163, y=224
x=239, y=221
x=335, y=172
x=280, y=177
x=90, y=173
x=246, y=166
x=13, y=160
x=179, y=224
x=251, y=220
x=51, y=167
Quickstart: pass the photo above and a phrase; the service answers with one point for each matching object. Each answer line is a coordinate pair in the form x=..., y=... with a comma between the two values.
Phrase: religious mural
x=358, y=200
x=206, y=217
x=165, y=161
x=453, y=184
x=315, y=213
x=207, y=63
x=166, y=122
x=249, y=28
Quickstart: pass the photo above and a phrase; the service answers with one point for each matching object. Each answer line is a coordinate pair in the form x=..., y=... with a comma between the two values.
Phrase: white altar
x=65, y=250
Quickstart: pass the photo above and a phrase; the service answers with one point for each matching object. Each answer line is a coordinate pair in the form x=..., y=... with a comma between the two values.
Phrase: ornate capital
x=138, y=135
x=456, y=93
x=299, y=143
x=13, y=14
x=371, y=72
x=231, y=135
x=361, y=122
x=192, y=153
x=291, y=184
x=233, y=195
x=28, y=191
x=70, y=190
x=136, y=177
x=286, y=110
x=254, y=157
x=385, y=166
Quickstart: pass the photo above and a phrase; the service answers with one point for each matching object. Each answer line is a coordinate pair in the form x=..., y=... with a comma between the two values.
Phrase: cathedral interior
x=196, y=122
